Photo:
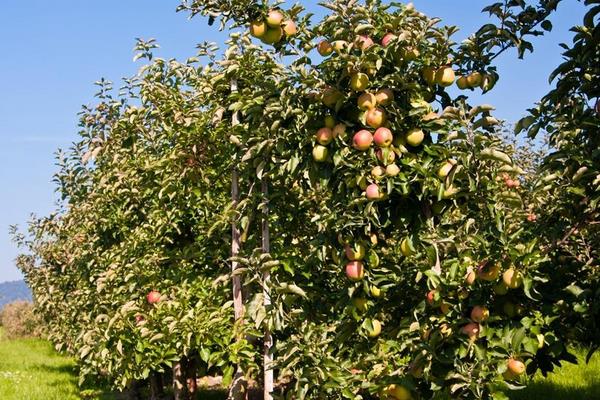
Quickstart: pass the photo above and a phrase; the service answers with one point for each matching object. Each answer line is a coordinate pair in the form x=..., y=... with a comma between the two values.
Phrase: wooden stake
x=268, y=338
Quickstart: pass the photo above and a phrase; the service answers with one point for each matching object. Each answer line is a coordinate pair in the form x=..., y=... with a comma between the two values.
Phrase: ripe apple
x=325, y=48
x=373, y=192
x=331, y=96
x=444, y=76
x=340, y=45
x=446, y=168
x=385, y=155
x=153, y=297
x=258, y=28
x=376, y=117
x=462, y=83
x=531, y=217
x=515, y=367
x=362, y=140
x=356, y=252
x=392, y=170
x=367, y=101
x=324, y=136
x=480, y=313
x=428, y=75
x=384, y=97
x=273, y=35
x=383, y=137
x=387, y=39
x=470, y=278
x=376, y=329
x=512, y=278
x=329, y=122
x=471, y=330
x=363, y=42
x=474, y=79
x=359, y=82
x=398, y=392
x=415, y=137
x=320, y=153
x=405, y=247
x=488, y=271
x=339, y=130
x=360, y=303
x=289, y=27
x=355, y=271
x=377, y=172
x=274, y=18
x=430, y=297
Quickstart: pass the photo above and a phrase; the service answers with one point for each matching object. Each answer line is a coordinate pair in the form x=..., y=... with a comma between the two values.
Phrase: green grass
x=570, y=382
x=30, y=369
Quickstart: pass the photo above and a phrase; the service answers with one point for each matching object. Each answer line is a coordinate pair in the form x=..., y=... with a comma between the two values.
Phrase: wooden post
x=238, y=389
x=268, y=338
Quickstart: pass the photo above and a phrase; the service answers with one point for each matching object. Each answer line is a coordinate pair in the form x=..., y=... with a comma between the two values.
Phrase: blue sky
x=52, y=52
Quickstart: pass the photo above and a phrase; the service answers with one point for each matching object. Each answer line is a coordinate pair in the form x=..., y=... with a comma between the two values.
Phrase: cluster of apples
x=445, y=76
x=273, y=28
x=509, y=182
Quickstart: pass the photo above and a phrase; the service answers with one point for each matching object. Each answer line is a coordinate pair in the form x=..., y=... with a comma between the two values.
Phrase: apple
x=428, y=75
x=462, y=83
x=474, y=79
x=500, y=289
x=383, y=137
x=329, y=122
x=387, y=39
x=363, y=42
x=384, y=97
x=339, y=130
x=376, y=329
x=273, y=35
x=515, y=367
x=406, y=248
x=375, y=117
x=139, y=319
x=488, y=271
x=375, y=292
x=471, y=330
x=470, y=278
x=531, y=217
x=446, y=168
x=324, y=136
x=392, y=170
x=444, y=76
x=153, y=297
x=274, y=19
x=377, y=172
x=320, y=153
x=480, y=313
x=325, y=48
x=355, y=271
x=445, y=308
x=331, y=96
x=356, y=252
x=415, y=137
x=359, y=82
x=289, y=27
x=340, y=45
x=362, y=140
x=430, y=297
x=367, y=101
x=360, y=303
x=385, y=155
x=410, y=54
x=398, y=392
x=512, y=278
x=373, y=192
x=258, y=28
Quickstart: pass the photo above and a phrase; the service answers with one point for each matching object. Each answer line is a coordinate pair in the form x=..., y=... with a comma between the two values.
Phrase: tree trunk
x=179, y=383
x=268, y=338
x=156, y=386
x=191, y=374
x=133, y=391
x=238, y=388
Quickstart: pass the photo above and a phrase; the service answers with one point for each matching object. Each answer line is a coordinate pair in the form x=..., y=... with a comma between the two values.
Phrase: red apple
x=431, y=297
x=384, y=96
x=363, y=42
x=531, y=217
x=139, y=319
x=387, y=39
x=325, y=48
x=355, y=271
x=512, y=278
x=480, y=313
x=488, y=271
x=515, y=367
x=362, y=140
x=289, y=27
x=375, y=117
x=383, y=137
x=324, y=136
x=471, y=330
x=274, y=18
x=367, y=101
x=153, y=297
x=373, y=192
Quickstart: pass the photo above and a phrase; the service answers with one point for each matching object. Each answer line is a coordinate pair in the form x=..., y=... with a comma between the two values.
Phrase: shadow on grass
x=546, y=390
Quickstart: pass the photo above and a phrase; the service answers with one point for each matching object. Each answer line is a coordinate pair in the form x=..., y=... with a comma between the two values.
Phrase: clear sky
x=51, y=52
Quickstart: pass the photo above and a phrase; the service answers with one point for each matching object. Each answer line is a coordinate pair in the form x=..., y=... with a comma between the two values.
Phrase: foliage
x=19, y=321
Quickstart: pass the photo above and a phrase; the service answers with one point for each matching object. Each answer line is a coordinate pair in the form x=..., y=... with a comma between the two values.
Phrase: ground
x=30, y=369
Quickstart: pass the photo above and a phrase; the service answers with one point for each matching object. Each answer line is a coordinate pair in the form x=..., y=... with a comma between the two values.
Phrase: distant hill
x=11, y=291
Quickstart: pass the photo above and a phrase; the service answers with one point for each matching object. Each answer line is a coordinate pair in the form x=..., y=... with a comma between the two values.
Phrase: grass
x=30, y=369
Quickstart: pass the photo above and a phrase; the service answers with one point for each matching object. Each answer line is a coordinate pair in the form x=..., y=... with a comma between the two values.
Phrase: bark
x=268, y=338
x=179, y=383
x=156, y=386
